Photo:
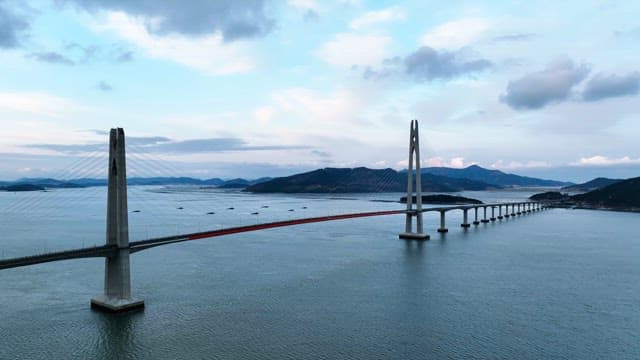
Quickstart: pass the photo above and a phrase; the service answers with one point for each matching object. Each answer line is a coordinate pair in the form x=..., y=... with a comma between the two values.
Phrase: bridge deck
x=135, y=246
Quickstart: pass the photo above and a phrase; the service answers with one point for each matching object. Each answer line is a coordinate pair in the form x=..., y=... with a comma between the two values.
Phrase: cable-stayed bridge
x=117, y=249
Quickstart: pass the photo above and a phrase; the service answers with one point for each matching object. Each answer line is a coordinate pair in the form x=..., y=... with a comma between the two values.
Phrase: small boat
x=255, y=213
x=230, y=208
x=136, y=211
x=180, y=208
x=210, y=213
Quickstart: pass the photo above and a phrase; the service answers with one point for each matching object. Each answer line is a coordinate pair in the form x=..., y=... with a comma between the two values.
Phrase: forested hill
x=493, y=177
x=361, y=180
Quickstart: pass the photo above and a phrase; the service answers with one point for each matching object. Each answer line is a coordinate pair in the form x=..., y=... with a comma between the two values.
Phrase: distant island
x=362, y=180
x=550, y=196
x=443, y=199
x=21, y=187
x=49, y=183
x=331, y=180
x=623, y=195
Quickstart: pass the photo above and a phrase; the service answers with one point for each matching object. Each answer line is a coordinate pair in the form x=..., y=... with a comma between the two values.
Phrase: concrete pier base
x=484, y=221
x=507, y=215
x=465, y=225
x=114, y=305
x=493, y=219
x=476, y=222
x=500, y=217
x=443, y=230
x=413, y=236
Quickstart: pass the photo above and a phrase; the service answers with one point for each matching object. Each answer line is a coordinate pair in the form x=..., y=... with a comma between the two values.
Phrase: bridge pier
x=465, y=223
x=513, y=209
x=500, y=212
x=493, y=218
x=117, y=273
x=519, y=212
x=442, y=228
x=414, y=148
x=476, y=222
x=484, y=219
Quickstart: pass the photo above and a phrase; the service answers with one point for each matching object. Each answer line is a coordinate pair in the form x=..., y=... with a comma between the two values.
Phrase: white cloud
x=305, y=5
x=599, y=160
x=455, y=34
x=375, y=17
x=514, y=165
x=456, y=162
x=38, y=103
x=264, y=115
x=342, y=105
x=209, y=54
x=348, y=49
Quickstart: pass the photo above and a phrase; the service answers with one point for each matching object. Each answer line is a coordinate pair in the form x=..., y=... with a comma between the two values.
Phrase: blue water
x=562, y=284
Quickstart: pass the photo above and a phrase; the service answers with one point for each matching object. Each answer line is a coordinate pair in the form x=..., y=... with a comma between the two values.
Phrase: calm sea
x=558, y=284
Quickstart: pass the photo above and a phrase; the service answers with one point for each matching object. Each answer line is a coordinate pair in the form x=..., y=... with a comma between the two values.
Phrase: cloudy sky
x=264, y=88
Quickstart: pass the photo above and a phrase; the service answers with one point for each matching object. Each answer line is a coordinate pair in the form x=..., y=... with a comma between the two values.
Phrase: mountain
x=360, y=180
x=50, y=183
x=594, y=184
x=493, y=177
x=624, y=194
x=46, y=183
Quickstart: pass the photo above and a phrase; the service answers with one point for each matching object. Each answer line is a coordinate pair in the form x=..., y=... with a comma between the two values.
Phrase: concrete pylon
x=414, y=148
x=117, y=276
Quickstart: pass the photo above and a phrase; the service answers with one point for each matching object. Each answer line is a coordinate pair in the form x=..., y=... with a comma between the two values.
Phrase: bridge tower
x=117, y=276
x=414, y=182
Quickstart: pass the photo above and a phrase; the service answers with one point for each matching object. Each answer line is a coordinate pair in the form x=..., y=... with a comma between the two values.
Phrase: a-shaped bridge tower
x=117, y=274
x=414, y=148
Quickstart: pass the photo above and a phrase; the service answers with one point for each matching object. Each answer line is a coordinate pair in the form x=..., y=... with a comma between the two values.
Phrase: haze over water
x=556, y=284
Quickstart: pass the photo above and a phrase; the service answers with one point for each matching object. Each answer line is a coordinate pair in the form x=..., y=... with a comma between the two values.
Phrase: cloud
x=209, y=54
x=309, y=8
x=376, y=17
x=348, y=49
x=51, y=57
x=322, y=154
x=160, y=144
x=602, y=86
x=104, y=86
x=37, y=103
x=116, y=53
x=455, y=34
x=548, y=86
x=340, y=106
x=514, y=37
x=515, y=165
x=12, y=27
x=437, y=161
x=231, y=19
x=427, y=64
x=599, y=160
x=633, y=33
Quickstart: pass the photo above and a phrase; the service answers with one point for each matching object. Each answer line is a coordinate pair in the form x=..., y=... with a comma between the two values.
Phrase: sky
x=269, y=88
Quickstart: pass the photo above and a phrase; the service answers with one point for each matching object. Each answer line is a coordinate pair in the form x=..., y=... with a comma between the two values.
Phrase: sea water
x=561, y=283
